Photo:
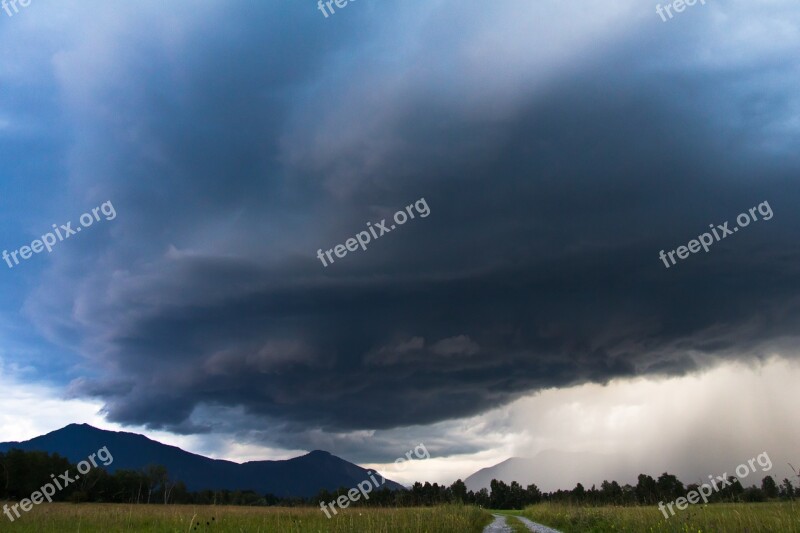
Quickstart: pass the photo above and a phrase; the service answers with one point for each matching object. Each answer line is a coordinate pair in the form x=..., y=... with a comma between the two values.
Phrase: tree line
x=23, y=472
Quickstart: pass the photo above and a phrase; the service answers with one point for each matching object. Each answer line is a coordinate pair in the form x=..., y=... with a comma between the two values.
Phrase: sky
x=548, y=150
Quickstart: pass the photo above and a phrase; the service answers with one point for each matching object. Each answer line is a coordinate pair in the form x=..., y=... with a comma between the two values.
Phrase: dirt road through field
x=500, y=526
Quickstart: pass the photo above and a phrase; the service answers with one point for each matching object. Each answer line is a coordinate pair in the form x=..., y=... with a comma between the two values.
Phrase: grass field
x=110, y=518
x=721, y=517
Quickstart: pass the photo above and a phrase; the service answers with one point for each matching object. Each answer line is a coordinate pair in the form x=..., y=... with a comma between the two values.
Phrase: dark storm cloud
x=252, y=147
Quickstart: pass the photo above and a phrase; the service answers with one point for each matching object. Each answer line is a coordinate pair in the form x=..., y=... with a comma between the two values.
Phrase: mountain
x=301, y=476
x=552, y=470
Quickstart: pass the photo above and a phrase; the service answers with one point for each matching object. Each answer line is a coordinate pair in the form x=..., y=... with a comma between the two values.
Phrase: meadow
x=110, y=518
x=772, y=517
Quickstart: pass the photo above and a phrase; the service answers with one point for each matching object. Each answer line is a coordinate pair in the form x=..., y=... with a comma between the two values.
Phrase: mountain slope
x=301, y=476
x=552, y=470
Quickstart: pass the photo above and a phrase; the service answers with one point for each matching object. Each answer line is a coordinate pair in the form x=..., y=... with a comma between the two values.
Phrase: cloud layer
x=559, y=147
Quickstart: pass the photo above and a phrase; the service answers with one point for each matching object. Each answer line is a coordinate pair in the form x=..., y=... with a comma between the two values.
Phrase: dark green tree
x=500, y=493
x=646, y=490
x=579, y=493
x=769, y=487
x=669, y=487
x=459, y=491
x=533, y=494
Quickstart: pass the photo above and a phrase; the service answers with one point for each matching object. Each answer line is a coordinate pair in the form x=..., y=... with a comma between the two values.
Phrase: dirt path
x=499, y=525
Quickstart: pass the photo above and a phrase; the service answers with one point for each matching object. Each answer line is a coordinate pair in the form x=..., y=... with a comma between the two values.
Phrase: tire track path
x=500, y=526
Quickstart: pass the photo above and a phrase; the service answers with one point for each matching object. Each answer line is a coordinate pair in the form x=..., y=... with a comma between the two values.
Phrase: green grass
x=727, y=517
x=111, y=518
x=516, y=525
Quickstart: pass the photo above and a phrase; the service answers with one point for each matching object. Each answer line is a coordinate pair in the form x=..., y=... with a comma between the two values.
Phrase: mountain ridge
x=303, y=476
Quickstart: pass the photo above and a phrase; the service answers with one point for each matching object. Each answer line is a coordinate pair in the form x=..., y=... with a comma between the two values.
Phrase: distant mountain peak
x=549, y=470
x=80, y=427
x=319, y=452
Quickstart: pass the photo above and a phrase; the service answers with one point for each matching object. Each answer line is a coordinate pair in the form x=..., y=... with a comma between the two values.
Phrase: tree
x=769, y=487
x=533, y=494
x=734, y=490
x=25, y=472
x=579, y=493
x=459, y=491
x=787, y=490
x=180, y=494
x=646, y=490
x=753, y=494
x=500, y=495
x=611, y=492
x=669, y=487
x=156, y=478
x=482, y=498
x=516, y=496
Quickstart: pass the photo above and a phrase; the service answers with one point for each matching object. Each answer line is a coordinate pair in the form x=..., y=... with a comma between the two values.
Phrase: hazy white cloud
x=693, y=425
x=29, y=409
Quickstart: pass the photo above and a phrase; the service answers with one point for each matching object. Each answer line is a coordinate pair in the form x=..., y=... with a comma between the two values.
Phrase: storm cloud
x=557, y=155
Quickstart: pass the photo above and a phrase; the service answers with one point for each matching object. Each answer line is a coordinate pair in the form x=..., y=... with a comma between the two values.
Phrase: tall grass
x=721, y=517
x=110, y=518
